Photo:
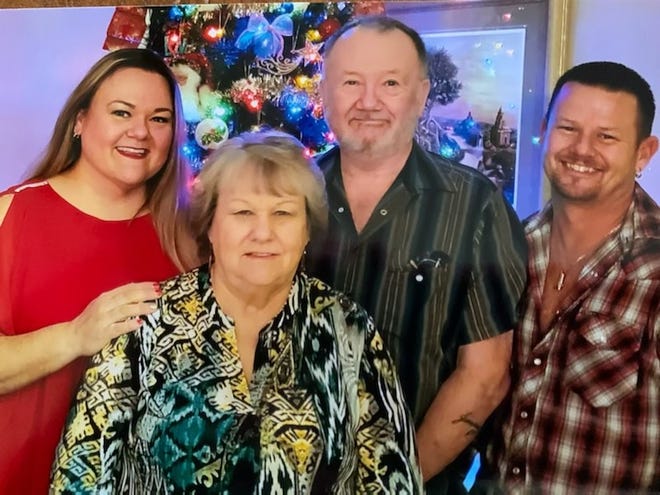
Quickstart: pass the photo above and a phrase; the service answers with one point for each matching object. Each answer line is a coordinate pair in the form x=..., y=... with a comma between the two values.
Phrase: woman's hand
x=30, y=356
x=112, y=314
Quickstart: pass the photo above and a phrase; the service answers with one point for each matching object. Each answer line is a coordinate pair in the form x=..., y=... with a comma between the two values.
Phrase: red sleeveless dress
x=54, y=259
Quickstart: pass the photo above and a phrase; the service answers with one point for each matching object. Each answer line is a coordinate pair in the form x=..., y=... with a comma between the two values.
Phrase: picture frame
x=474, y=117
x=522, y=26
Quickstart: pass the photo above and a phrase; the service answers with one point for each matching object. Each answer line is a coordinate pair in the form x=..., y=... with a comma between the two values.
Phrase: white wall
x=625, y=31
x=45, y=53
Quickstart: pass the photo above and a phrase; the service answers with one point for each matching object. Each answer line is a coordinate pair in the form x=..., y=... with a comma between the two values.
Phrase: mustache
x=585, y=160
x=367, y=115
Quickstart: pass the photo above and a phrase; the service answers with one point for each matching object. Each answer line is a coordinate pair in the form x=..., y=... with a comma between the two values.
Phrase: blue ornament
x=193, y=154
x=176, y=14
x=313, y=132
x=283, y=8
x=315, y=14
x=223, y=53
x=294, y=104
x=449, y=148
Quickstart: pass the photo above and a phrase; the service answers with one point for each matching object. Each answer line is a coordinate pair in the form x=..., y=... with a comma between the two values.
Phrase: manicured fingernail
x=157, y=288
x=138, y=320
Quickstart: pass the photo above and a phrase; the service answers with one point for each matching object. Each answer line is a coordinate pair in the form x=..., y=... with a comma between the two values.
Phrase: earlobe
x=542, y=130
x=78, y=124
x=647, y=148
x=321, y=88
x=424, y=93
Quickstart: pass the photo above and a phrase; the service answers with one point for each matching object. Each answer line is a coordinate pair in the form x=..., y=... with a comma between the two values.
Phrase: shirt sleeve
x=387, y=457
x=499, y=273
x=90, y=450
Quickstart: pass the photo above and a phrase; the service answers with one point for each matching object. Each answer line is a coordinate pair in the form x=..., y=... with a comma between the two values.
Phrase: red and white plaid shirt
x=585, y=407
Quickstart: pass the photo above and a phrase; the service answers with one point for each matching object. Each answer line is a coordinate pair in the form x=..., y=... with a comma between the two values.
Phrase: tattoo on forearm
x=474, y=426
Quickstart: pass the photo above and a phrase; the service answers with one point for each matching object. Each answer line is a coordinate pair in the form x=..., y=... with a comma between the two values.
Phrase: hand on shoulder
x=112, y=314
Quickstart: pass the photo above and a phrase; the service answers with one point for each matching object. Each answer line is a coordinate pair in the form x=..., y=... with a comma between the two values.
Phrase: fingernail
x=157, y=288
x=138, y=320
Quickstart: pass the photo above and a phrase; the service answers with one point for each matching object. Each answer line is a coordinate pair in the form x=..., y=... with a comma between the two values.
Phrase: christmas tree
x=242, y=66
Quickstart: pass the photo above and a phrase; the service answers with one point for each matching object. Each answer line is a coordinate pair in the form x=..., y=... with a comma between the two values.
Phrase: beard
x=571, y=188
x=367, y=145
x=378, y=142
x=574, y=194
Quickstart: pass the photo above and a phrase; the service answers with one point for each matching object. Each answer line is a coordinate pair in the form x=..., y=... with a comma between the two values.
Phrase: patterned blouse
x=168, y=408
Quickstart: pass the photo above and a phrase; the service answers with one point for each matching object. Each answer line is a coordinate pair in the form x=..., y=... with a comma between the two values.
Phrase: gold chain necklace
x=562, y=272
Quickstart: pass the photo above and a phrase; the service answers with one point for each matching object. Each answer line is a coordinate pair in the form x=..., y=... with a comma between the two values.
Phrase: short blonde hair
x=281, y=162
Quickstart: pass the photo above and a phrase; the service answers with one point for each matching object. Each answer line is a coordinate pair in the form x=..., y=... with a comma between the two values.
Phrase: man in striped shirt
x=429, y=247
x=585, y=411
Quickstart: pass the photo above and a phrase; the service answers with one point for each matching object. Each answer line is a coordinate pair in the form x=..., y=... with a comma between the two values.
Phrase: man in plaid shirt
x=584, y=415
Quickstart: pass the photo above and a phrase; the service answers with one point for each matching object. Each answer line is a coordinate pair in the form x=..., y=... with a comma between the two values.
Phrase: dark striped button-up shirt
x=585, y=412
x=440, y=264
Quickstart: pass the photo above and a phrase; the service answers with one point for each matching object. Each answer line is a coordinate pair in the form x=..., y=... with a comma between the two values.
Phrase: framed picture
x=473, y=113
x=487, y=64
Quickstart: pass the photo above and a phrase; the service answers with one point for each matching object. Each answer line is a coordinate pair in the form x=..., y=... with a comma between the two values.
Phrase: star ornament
x=310, y=52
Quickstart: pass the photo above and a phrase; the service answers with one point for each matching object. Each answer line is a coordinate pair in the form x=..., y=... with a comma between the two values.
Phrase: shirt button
x=516, y=471
x=383, y=212
x=419, y=277
x=340, y=209
x=523, y=414
x=537, y=361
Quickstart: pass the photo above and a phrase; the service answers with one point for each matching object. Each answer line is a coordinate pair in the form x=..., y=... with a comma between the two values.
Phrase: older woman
x=251, y=377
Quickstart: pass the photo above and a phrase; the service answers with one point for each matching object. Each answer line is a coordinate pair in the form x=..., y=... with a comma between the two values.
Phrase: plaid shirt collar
x=640, y=224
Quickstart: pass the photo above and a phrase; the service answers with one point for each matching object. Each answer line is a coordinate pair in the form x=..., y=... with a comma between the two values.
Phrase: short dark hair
x=381, y=24
x=612, y=76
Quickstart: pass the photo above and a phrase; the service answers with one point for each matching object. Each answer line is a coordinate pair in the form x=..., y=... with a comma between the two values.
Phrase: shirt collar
x=641, y=222
x=420, y=172
x=281, y=320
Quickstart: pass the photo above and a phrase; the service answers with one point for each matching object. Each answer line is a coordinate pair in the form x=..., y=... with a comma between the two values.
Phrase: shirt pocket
x=427, y=271
x=603, y=358
x=422, y=278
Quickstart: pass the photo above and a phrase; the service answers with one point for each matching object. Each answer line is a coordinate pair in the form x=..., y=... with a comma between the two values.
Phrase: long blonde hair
x=167, y=190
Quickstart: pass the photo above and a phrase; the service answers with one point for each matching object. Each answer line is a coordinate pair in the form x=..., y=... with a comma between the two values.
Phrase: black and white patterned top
x=168, y=409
